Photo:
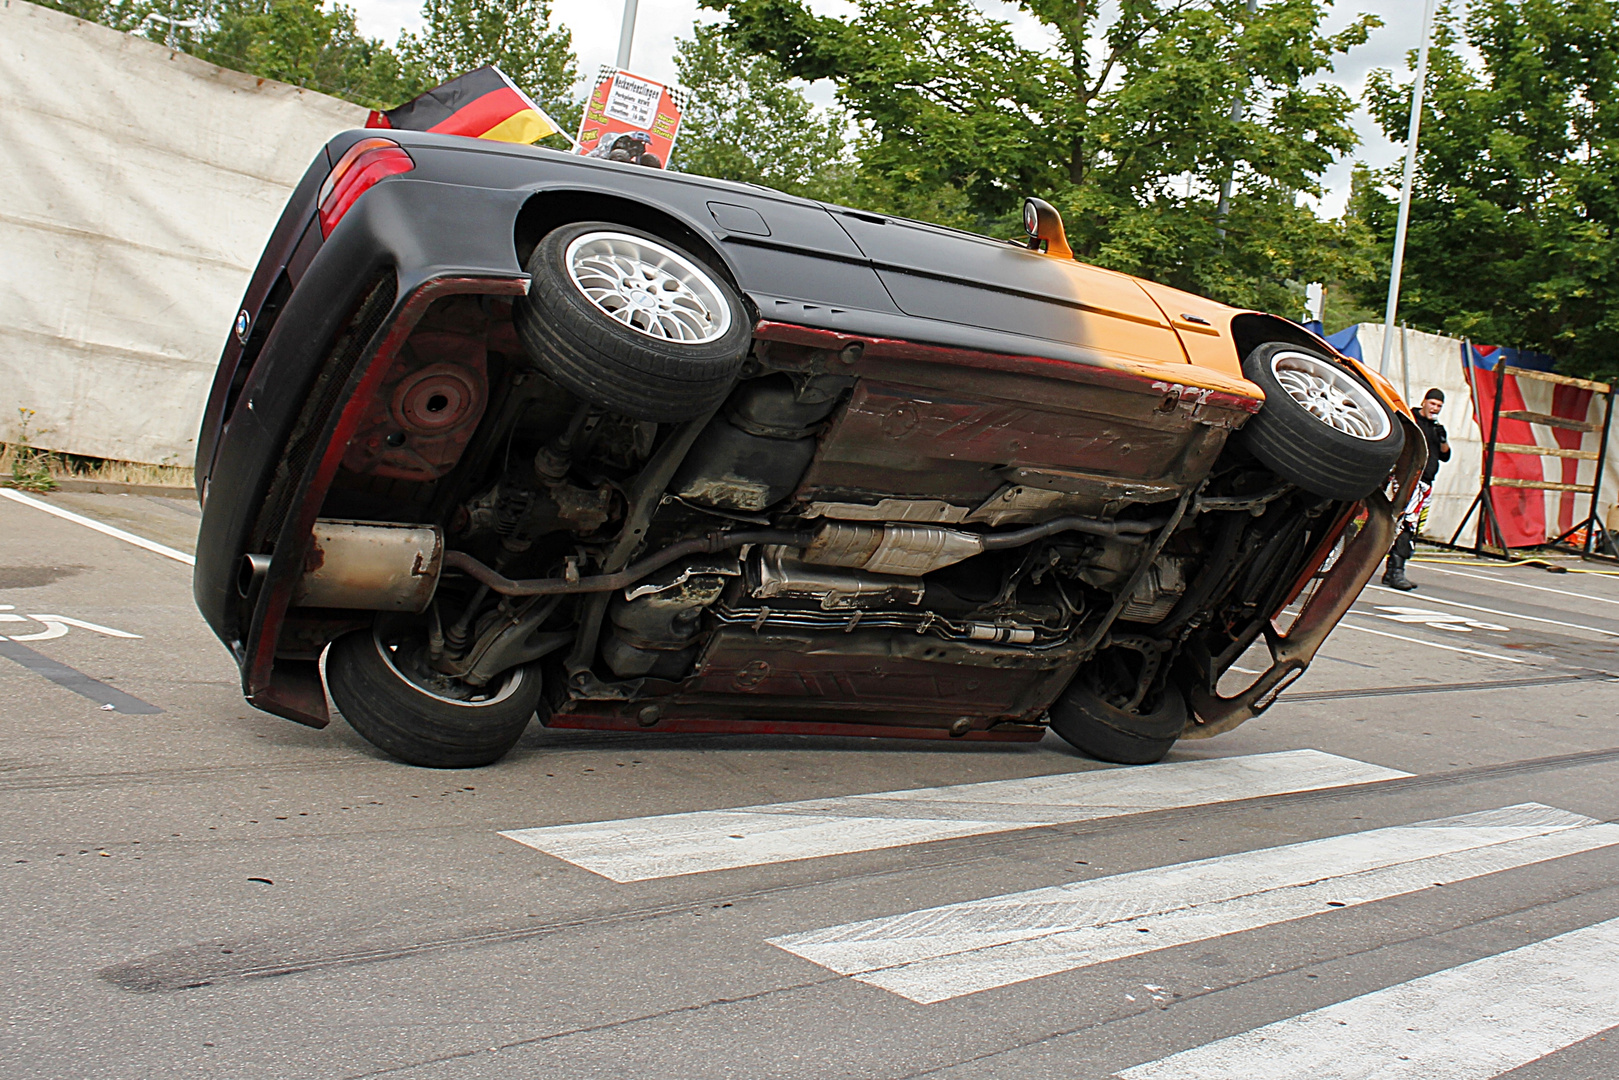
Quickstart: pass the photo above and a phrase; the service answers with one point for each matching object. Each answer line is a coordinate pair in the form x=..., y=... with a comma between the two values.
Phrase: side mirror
x=1042, y=222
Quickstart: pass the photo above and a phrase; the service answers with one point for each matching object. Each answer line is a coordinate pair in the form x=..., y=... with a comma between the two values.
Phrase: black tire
x=626, y=370
x=407, y=720
x=1107, y=733
x=1305, y=449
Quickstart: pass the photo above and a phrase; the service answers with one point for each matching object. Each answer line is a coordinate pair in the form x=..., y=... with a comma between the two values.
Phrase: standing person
x=1416, y=512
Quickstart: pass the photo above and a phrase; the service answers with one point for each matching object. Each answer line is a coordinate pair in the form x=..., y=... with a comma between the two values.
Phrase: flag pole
x=1405, y=190
x=626, y=33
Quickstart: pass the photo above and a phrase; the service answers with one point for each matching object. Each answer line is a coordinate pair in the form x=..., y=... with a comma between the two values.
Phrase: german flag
x=483, y=104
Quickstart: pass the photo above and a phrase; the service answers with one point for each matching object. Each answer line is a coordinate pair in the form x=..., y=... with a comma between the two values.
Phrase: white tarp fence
x=139, y=187
x=1437, y=361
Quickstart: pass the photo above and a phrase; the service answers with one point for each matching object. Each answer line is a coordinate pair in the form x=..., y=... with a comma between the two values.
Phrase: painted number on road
x=1439, y=620
x=55, y=626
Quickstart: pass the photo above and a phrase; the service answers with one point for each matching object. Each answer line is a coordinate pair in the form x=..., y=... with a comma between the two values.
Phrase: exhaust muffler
x=371, y=565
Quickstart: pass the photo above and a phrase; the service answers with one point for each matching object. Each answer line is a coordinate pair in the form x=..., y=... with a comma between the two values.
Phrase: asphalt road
x=192, y=888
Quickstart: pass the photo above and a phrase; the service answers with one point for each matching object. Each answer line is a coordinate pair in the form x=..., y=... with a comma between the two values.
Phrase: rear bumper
x=396, y=251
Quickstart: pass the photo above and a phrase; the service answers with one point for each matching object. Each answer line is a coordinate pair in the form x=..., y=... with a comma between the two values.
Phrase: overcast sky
x=595, y=26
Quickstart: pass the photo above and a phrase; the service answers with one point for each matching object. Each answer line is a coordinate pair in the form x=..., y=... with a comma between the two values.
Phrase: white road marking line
x=52, y=630
x=1432, y=644
x=1471, y=1022
x=56, y=626
x=1519, y=584
x=81, y=624
x=640, y=849
x=941, y=953
x=1506, y=614
x=90, y=523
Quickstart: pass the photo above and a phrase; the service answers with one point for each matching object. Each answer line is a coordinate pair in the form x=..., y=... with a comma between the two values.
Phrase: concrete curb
x=109, y=487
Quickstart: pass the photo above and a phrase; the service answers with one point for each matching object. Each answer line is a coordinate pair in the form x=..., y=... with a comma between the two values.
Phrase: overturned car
x=502, y=431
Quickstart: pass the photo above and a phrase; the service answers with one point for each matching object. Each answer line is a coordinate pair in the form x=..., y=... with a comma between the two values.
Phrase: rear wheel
x=1099, y=729
x=1321, y=427
x=401, y=706
x=627, y=321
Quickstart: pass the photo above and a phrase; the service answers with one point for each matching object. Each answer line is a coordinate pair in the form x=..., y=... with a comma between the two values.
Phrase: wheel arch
x=549, y=209
x=1253, y=329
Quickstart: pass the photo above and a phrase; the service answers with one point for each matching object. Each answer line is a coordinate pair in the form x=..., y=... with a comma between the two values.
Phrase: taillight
x=362, y=165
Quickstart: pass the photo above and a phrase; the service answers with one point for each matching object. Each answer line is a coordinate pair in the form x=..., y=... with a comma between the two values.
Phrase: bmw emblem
x=243, y=321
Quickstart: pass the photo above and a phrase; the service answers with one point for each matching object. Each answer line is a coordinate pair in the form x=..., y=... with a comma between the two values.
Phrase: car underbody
x=854, y=534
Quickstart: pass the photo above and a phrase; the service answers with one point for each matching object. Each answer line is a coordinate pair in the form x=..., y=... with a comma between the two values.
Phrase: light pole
x=1405, y=191
x=626, y=34
x=1223, y=210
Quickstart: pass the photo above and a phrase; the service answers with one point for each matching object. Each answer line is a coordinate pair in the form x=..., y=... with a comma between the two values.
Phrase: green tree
x=461, y=35
x=1516, y=196
x=303, y=42
x=747, y=122
x=318, y=45
x=1129, y=121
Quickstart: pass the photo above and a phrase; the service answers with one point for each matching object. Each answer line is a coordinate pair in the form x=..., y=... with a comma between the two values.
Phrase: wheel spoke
x=648, y=288
x=1330, y=394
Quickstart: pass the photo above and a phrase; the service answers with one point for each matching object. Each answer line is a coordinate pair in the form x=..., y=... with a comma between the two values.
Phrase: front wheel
x=1321, y=427
x=400, y=706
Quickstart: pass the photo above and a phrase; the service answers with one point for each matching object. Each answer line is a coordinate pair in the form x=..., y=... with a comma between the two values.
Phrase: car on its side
x=501, y=431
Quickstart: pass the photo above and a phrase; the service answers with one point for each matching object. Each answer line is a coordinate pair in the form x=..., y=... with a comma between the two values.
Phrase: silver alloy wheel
x=1331, y=395
x=648, y=287
x=479, y=696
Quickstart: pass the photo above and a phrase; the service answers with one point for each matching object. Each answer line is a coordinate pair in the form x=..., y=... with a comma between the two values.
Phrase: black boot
x=1394, y=575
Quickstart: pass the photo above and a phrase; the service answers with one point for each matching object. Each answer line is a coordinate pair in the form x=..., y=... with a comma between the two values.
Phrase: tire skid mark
x=203, y=964
x=1444, y=688
x=210, y=773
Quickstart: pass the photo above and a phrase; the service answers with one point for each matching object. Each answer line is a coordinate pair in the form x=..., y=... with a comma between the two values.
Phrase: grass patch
x=24, y=467
x=73, y=467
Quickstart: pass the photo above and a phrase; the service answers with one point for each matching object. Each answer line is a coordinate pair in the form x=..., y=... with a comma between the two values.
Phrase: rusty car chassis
x=502, y=431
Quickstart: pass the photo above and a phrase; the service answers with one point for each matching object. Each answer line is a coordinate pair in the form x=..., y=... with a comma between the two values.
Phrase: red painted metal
x=920, y=441
x=359, y=403
x=428, y=406
x=1319, y=555
x=294, y=692
x=701, y=725
x=1174, y=376
x=913, y=681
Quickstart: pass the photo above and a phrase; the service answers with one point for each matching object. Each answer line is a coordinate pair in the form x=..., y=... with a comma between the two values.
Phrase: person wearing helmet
x=632, y=148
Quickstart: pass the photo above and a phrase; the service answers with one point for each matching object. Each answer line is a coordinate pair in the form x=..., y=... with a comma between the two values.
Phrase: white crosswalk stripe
x=1471, y=1022
x=944, y=952
x=640, y=849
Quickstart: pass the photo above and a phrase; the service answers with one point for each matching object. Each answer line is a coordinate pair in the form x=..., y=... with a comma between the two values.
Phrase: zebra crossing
x=940, y=953
x=1471, y=1022
x=1464, y=1023
x=669, y=845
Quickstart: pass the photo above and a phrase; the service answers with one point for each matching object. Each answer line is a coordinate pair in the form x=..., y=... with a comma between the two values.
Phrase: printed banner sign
x=631, y=118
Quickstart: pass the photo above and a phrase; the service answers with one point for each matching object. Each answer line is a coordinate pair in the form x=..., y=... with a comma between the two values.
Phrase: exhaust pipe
x=371, y=566
x=251, y=575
